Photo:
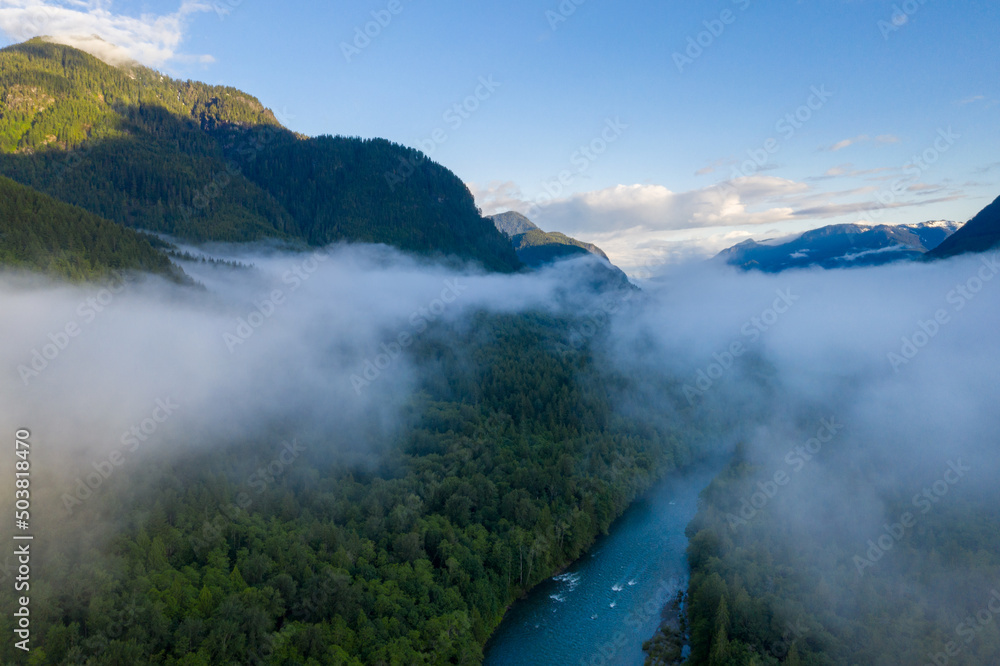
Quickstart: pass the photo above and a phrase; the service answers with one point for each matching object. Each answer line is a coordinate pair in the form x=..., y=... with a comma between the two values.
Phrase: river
x=601, y=609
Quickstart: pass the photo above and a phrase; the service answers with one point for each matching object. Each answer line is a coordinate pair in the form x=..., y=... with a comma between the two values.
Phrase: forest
x=306, y=549
x=210, y=163
x=763, y=592
x=44, y=235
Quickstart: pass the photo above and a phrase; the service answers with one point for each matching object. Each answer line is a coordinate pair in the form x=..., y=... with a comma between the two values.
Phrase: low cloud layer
x=894, y=368
x=902, y=359
x=316, y=344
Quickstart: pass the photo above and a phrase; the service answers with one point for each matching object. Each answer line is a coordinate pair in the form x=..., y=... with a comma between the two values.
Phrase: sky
x=660, y=131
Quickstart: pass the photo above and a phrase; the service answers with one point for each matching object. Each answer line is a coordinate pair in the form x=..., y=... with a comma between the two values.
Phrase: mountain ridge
x=840, y=246
x=537, y=248
x=980, y=234
x=211, y=163
x=40, y=233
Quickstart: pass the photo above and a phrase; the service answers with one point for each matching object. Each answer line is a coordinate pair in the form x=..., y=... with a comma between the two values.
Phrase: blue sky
x=670, y=125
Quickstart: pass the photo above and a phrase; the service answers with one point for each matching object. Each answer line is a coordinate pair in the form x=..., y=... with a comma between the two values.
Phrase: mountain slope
x=538, y=248
x=40, y=233
x=979, y=234
x=211, y=163
x=841, y=246
x=512, y=223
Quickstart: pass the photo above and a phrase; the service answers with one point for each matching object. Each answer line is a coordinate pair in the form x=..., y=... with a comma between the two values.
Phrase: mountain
x=841, y=246
x=211, y=163
x=536, y=248
x=513, y=223
x=40, y=233
x=979, y=234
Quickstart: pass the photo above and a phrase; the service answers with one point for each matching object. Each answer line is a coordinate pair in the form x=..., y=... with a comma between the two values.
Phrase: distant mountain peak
x=512, y=223
x=536, y=248
x=841, y=246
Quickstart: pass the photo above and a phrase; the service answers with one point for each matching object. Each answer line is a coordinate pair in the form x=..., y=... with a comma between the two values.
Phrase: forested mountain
x=841, y=246
x=211, y=163
x=979, y=234
x=537, y=248
x=42, y=234
x=512, y=461
x=765, y=592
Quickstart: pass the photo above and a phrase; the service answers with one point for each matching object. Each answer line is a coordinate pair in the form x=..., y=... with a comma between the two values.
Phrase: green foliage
x=536, y=248
x=211, y=163
x=511, y=463
x=42, y=234
x=794, y=596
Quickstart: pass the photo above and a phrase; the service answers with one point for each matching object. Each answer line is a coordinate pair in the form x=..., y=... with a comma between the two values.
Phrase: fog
x=902, y=359
x=273, y=344
x=904, y=356
x=869, y=395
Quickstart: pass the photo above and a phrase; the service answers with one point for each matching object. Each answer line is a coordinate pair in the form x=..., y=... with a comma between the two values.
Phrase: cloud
x=863, y=138
x=970, y=100
x=259, y=347
x=836, y=210
x=498, y=196
x=91, y=26
x=829, y=357
x=653, y=207
x=713, y=167
x=639, y=224
x=926, y=188
x=838, y=170
x=840, y=145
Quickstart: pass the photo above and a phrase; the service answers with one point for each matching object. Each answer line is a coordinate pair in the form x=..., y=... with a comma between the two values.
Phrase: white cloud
x=840, y=145
x=92, y=26
x=637, y=225
x=971, y=100
x=863, y=138
x=653, y=207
